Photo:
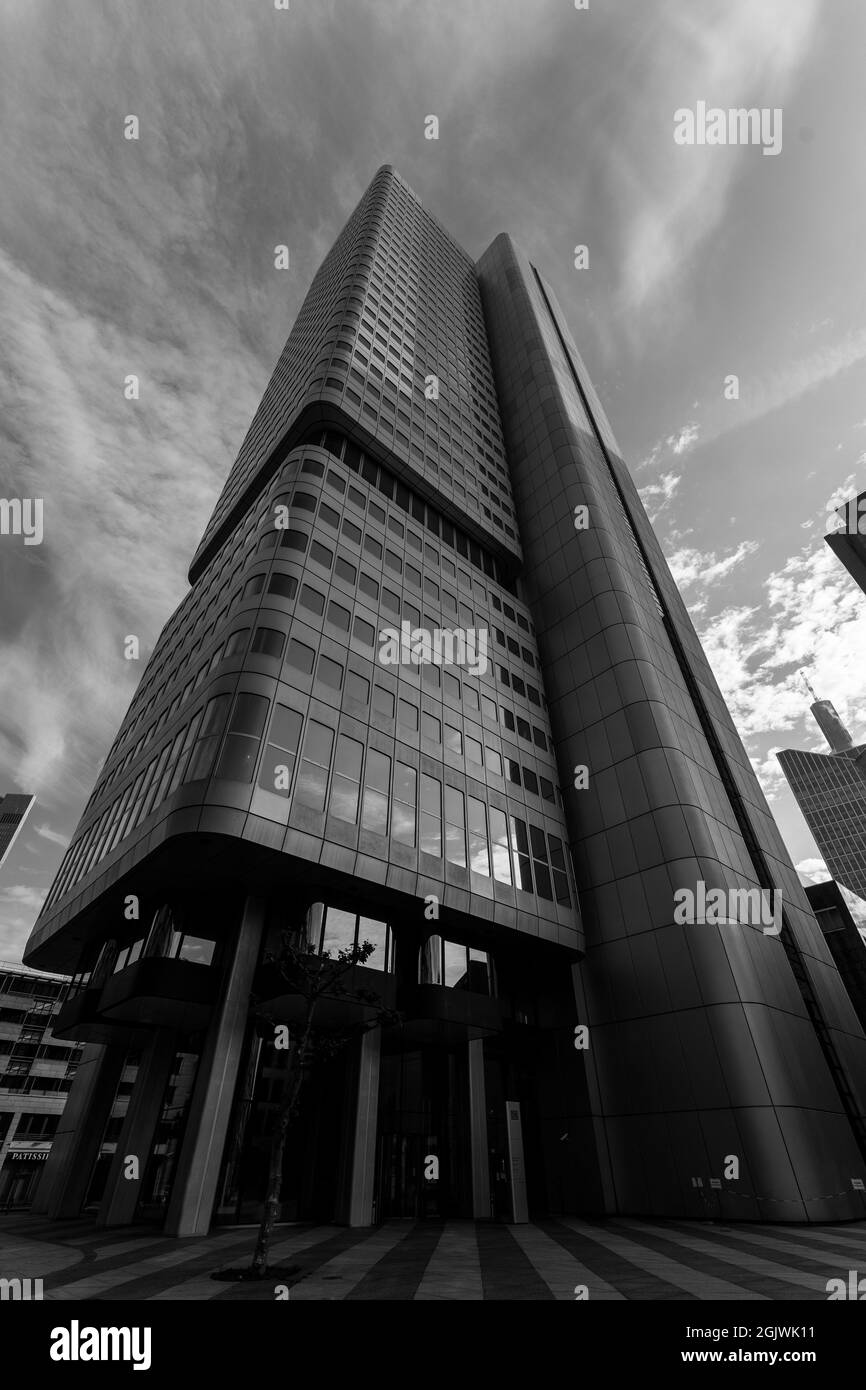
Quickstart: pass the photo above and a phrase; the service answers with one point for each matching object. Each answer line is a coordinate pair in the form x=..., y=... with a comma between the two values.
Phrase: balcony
x=79, y=1020
x=158, y=992
x=439, y=1013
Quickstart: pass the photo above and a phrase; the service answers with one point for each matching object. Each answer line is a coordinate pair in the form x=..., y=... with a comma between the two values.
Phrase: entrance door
x=423, y=1157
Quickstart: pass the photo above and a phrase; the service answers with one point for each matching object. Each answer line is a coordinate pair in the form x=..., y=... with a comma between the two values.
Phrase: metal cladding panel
x=683, y=1018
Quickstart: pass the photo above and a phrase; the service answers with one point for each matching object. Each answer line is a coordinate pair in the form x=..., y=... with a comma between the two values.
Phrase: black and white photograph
x=432, y=677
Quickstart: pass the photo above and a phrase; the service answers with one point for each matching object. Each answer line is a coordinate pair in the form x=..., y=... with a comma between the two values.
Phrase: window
x=431, y=816
x=363, y=632
x=254, y=585
x=344, y=570
x=267, y=641
x=489, y=710
x=404, y=804
x=330, y=673
x=474, y=753
x=431, y=727
x=357, y=688
x=316, y=760
x=300, y=657
x=313, y=600
x=520, y=849
x=295, y=540
x=530, y=781
x=368, y=586
x=204, y=752
x=284, y=585
x=383, y=702
x=546, y=789
x=343, y=930
x=372, y=547
x=479, y=858
x=560, y=877
x=241, y=747
x=455, y=827
x=321, y=554
x=237, y=643
x=539, y=860
x=374, y=815
x=454, y=966
x=278, y=763
x=407, y=716
x=453, y=739
x=499, y=840
x=339, y=616
x=346, y=784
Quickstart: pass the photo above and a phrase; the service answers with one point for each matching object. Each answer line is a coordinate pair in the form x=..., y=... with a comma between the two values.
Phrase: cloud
x=52, y=835
x=672, y=199
x=684, y=439
x=813, y=617
x=656, y=496
x=690, y=566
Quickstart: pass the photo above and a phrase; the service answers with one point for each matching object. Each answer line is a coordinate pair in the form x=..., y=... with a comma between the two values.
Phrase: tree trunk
x=288, y=1111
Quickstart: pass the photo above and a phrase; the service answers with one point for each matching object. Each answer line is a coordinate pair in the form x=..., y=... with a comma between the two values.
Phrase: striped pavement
x=457, y=1261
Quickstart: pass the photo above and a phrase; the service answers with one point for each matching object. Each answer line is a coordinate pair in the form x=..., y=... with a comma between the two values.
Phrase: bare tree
x=313, y=978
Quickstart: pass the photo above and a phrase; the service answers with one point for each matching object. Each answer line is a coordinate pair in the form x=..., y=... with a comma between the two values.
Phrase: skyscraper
x=830, y=789
x=14, y=810
x=849, y=542
x=431, y=647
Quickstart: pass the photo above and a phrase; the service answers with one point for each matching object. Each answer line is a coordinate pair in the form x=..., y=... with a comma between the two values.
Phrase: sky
x=261, y=127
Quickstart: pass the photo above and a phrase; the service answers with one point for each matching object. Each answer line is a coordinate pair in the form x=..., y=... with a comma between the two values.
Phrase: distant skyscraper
x=849, y=544
x=430, y=464
x=14, y=810
x=830, y=789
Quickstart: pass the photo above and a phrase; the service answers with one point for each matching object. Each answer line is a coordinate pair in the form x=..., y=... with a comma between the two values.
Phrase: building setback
x=564, y=1046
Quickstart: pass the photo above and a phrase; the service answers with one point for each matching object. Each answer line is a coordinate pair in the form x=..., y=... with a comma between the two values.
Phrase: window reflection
x=454, y=966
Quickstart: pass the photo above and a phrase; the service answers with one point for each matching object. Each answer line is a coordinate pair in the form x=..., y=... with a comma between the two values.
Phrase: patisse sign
x=39, y=1154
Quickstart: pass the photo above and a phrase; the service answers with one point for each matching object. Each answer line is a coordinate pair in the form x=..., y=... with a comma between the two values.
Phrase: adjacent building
x=849, y=542
x=14, y=810
x=830, y=789
x=845, y=939
x=433, y=687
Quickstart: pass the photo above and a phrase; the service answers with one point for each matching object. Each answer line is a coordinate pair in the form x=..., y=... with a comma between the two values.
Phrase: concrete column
x=75, y=1148
x=366, y=1116
x=478, y=1132
x=120, y=1198
x=194, y=1188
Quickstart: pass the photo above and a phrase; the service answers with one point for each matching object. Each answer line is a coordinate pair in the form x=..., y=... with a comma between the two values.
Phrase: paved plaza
x=620, y=1259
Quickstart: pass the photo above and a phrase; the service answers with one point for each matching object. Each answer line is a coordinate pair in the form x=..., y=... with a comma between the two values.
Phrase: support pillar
x=63, y=1185
x=194, y=1188
x=366, y=1118
x=136, y=1138
x=478, y=1132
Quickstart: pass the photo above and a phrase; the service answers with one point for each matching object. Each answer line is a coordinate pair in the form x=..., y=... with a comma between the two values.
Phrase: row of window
x=410, y=720
x=327, y=772
x=387, y=558
x=347, y=452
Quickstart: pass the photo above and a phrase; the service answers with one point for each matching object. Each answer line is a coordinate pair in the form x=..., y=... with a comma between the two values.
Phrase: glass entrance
x=423, y=1155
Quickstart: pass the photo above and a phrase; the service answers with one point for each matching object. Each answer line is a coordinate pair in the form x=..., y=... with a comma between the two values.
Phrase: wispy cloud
x=705, y=568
